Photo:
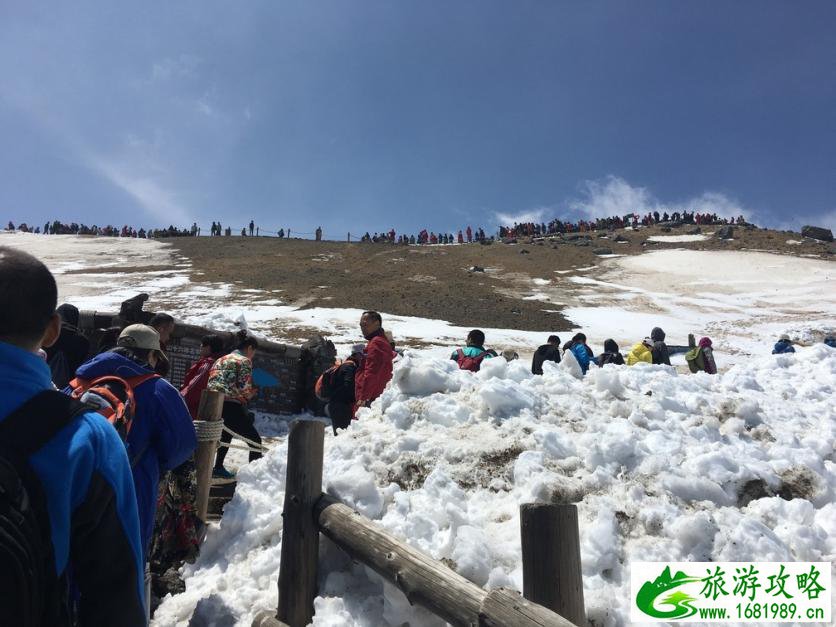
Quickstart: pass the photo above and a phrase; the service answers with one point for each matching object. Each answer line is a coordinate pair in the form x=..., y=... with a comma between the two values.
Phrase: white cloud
x=613, y=196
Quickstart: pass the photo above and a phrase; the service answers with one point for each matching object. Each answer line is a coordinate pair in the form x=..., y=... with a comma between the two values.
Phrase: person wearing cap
x=783, y=345
x=162, y=435
x=340, y=406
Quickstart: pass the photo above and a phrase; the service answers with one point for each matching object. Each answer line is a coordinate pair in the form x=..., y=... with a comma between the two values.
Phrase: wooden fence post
x=209, y=410
x=300, y=534
x=552, y=559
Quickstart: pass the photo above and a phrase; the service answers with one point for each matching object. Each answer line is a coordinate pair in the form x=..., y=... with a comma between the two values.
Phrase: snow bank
x=677, y=238
x=662, y=466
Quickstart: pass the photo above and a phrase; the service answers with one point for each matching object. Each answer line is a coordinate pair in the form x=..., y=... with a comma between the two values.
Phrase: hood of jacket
x=610, y=346
x=705, y=342
x=657, y=335
x=112, y=364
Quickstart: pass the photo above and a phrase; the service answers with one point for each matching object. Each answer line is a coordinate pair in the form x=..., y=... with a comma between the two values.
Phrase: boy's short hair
x=476, y=337
x=29, y=296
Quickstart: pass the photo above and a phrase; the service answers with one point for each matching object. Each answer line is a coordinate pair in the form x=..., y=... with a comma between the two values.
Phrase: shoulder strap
x=38, y=420
x=460, y=353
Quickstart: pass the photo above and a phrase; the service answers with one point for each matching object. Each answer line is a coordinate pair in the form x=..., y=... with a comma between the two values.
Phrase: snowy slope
x=445, y=458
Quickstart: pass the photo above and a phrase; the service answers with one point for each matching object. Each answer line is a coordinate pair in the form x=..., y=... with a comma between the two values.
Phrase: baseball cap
x=141, y=336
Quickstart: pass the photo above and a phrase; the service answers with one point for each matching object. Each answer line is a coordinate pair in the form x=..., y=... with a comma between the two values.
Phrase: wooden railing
x=552, y=581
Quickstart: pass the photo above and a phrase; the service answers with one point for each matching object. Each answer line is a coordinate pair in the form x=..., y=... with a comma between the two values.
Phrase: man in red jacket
x=375, y=369
x=211, y=348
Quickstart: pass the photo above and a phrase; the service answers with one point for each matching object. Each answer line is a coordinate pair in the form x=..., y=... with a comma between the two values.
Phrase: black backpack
x=33, y=595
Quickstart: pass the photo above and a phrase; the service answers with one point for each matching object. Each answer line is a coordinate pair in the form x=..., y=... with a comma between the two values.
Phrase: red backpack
x=112, y=397
x=470, y=363
x=326, y=383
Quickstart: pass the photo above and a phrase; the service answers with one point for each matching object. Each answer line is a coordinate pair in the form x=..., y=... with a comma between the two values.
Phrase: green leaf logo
x=678, y=600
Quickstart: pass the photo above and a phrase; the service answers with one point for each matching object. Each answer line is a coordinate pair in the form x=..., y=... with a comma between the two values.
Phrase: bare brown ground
x=435, y=281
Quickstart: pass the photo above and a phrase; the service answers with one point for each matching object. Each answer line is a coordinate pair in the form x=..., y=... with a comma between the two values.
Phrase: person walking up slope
x=233, y=375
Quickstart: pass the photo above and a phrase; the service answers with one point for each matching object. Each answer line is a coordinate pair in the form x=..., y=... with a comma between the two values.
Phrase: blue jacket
x=86, y=479
x=782, y=346
x=583, y=354
x=162, y=435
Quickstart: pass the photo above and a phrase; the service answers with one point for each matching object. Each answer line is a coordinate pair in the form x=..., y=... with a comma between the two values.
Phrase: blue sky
x=368, y=115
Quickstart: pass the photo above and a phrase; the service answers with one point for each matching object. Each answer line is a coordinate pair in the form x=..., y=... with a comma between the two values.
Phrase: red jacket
x=195, y=382
x=375, y=371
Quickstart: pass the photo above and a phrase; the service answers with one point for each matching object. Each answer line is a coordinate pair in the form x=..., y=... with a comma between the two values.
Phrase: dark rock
x=509, y=240
x=725, y=232
x=212, y=611
x=486, y=242
x=476, y=269
x=524, y=252
x=666, y=229
x=572, y=237
x=817, y=232
x=752, y=491
x=602, y=236
x=620, y=238
x=695, y=231
x=603, y=251
x=582, y=242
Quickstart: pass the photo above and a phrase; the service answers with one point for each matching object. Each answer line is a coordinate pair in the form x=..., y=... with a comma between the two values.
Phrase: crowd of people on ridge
x=633, y=220
x=462, y=236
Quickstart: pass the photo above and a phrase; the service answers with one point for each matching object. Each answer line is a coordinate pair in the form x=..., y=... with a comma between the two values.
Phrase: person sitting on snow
x=660, y=349
x=471, y=356
x=830, y=341
x=701, y=358
x=641, y=353
x=783, y=345
x=610, y=355
x=547, y=352
x=579, y=348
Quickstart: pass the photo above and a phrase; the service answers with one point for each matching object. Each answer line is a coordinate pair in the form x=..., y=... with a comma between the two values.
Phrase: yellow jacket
x=640, y=352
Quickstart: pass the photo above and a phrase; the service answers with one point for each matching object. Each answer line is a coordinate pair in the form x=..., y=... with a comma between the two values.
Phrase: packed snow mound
x=738, y=466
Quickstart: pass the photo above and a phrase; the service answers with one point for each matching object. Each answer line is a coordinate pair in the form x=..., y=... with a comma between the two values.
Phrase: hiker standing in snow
x=161, y=436
x=783, y=345
x=375, y=370
x=547, y=352
x=71, y=349
x=610, y=355
x=233, y=375
x=75, y=473
x=471, y=356
x=340, y=406
x=660, y=349
x=197, y=377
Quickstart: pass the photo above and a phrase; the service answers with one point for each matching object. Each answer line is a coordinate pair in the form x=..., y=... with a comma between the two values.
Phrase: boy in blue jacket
x=80, y=475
